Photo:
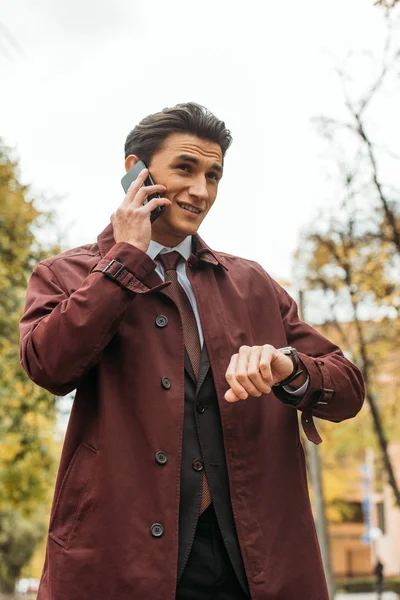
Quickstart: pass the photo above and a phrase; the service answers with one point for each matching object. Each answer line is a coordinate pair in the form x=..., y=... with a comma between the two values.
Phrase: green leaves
x=18, y=539
x=27, y=413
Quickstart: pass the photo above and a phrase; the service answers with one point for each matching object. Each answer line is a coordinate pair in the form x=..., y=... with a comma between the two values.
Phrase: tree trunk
x=315, y=472
x=321, y=524
x=382, y=440
x=383, y=446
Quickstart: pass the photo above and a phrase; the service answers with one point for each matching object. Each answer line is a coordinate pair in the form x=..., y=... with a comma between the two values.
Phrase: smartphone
x=130, y=176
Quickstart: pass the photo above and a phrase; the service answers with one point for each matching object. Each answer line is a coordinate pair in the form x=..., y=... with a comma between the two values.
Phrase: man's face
x=191, y=169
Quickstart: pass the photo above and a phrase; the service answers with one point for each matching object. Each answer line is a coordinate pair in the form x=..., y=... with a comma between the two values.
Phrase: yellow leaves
x=27, y=413
x=342, y=453
x=339, y=260
x=9, y=447
x=27, y=471
x=28, y=451
x=386, y=3
x=321, y=257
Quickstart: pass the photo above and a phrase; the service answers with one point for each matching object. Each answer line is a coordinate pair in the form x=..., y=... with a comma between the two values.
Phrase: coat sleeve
x=336, y=388
x=62, y=336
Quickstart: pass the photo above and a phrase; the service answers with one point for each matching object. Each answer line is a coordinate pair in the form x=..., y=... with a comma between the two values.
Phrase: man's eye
x=184, y=168
x=213, y=176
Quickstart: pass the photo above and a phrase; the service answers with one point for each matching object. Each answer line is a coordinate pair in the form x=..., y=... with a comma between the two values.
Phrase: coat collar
x=201, y=252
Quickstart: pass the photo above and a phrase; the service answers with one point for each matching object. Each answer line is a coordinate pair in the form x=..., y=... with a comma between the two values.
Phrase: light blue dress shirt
x=185, y=249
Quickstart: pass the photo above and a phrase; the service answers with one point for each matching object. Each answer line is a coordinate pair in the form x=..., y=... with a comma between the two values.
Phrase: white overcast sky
x=89, y=70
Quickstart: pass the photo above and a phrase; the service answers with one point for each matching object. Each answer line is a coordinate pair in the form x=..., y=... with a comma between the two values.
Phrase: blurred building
x=355, y=545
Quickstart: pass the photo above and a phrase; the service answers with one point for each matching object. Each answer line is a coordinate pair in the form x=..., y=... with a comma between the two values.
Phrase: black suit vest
x=203, y=447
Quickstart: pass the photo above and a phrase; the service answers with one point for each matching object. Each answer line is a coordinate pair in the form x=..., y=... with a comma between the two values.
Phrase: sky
x=77, y=76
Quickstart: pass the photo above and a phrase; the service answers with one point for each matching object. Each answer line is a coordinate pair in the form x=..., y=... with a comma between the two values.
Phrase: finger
x=230, y=396
x=152, y=204
x=145, y=191
x=135, y=187
x=242, y=375
x=253, y=371
x=267, y=353
x=230, y=375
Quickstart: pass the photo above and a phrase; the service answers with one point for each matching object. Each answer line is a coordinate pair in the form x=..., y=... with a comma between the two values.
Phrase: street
x=367, y=596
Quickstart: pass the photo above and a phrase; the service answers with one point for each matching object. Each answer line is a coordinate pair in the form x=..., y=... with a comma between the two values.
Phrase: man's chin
x=175, y=230
x=188, y=230
x=183, y=227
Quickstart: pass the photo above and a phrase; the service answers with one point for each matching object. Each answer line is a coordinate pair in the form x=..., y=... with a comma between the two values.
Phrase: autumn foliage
x=27, y=413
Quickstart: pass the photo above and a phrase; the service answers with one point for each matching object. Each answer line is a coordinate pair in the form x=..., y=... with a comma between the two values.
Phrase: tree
x=27, y=413
x=388, y=4
x=357, y=152
x=350, y=273
x=350, y=256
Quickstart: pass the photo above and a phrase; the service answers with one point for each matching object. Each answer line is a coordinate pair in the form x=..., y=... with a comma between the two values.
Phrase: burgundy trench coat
x=83, y=330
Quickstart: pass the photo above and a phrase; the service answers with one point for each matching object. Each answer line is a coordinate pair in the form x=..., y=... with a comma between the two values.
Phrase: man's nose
x=198, y=188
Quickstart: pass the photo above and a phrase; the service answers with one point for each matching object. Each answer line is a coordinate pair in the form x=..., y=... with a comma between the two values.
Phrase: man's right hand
x=131, y=221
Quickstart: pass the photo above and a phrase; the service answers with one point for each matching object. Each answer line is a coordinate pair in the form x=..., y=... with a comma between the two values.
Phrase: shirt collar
x=184, y=248
x=201, y=251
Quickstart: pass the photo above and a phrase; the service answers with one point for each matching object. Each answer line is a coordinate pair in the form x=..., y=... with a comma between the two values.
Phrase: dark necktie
x=191, y=339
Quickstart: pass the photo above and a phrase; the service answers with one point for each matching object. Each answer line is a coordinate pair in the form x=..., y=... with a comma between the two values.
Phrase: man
x=182, y=473
x=378, y=572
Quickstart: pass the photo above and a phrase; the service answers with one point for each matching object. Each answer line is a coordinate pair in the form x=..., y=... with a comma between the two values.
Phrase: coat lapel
x=204, y=366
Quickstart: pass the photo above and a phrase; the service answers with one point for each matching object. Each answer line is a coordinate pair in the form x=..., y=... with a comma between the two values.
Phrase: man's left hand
x=255, y=369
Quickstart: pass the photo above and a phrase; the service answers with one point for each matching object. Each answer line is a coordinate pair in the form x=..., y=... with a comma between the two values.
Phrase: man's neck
x=168, y=241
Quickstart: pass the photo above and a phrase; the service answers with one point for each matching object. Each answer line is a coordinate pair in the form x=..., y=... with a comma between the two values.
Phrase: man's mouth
x=189, y=208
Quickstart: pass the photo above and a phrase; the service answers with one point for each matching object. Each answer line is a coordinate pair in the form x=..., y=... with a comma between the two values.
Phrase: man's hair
x=149, y=135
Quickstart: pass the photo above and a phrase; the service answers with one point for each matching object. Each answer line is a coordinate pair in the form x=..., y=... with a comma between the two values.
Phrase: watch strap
x=297, y=371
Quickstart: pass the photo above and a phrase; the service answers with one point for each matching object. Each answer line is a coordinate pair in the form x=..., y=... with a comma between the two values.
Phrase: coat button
x=161, y=458
x=197, y=465
x=165, y=382
x=157, y=530
x=161, y=321
x=200, y=407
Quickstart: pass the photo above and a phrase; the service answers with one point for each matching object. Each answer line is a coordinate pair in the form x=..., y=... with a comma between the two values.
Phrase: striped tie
x=191, y=339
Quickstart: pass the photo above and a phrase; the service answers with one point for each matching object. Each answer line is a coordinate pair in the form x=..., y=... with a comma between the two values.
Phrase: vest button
x=197, y=465
x=200, y=408
x=157, y=530
x=165, y=382
x=161, y=321
x=161, y=458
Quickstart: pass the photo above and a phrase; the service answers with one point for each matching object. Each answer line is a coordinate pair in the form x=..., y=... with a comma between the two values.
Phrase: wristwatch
x=292, y=352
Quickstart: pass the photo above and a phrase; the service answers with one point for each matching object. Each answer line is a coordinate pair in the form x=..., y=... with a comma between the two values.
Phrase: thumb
x=230, y=396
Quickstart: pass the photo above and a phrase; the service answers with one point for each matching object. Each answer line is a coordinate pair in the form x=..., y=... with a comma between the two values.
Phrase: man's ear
x=131, y=161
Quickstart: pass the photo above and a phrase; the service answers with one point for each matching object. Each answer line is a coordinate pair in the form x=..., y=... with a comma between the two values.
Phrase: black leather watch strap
x=292, y=352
